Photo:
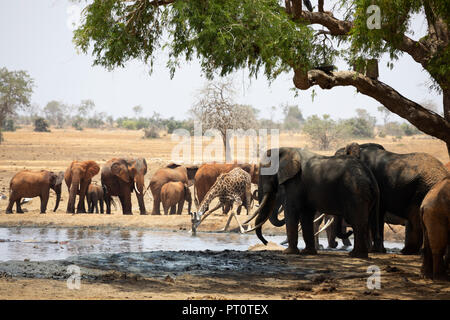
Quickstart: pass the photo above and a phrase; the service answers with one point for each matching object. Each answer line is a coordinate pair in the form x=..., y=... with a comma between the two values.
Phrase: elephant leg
x=413, y=232
x=127, y=203
x=10, y=205
x=291, y=230
x=108, y=200
x=307, y=223
x=156, y=205
x=18, y=206
x=44, y=201
x=140, y=198
x=180, y=206
x=331, y=234
x=173, y=209
x=360, y=249
x=101, y=205
x=427, y=258
x=81, y=208
x=436, y=236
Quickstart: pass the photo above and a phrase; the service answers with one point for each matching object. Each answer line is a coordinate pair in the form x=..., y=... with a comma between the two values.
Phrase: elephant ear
x=59, y=178
x=121, y=171
x=353, y=149
x=92, y=169
x=290, y=165
x=52, y=179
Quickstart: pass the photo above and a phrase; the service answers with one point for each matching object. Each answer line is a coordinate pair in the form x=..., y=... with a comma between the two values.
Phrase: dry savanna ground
x=25, y=149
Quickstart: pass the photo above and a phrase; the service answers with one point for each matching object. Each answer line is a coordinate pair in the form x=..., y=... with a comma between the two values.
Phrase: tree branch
x=416, y=49
x=427, y=121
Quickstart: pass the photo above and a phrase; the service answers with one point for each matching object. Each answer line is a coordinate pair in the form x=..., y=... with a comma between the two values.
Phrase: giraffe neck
x=210, y=195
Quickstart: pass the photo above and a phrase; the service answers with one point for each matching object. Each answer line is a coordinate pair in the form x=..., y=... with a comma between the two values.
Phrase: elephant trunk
x=267, y=207
x=276, y=212
x=58, y=197
x=139, y=187
x=72, y=195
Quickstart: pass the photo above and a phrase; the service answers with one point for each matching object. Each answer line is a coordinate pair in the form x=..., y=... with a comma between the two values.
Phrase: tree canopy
x=16, y=88
x=275, y=37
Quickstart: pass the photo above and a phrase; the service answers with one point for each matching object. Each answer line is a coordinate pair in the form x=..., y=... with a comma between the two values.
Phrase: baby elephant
x=173, y=193
x=30, y=184
x=94, y=196
x=435, y=211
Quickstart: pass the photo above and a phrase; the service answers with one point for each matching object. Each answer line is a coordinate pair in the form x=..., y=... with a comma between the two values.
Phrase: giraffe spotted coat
x=234, y=186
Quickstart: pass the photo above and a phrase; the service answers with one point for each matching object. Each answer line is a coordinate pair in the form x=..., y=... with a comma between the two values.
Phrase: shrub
x=8, y=125
x=41, y=125
x=323, y=132
x=77, y=123
x=357, y=128
x=151, y=133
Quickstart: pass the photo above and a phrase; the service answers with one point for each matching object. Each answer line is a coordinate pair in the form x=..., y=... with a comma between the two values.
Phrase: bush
x=393, y=129
x=357, y=128
x=77, y=123
x=409, y=130
x=151, y=133
x=8, y=125
x=323, y=132
x=41, y=125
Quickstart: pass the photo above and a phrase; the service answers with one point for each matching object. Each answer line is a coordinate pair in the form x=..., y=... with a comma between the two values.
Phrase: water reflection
x=60, y=243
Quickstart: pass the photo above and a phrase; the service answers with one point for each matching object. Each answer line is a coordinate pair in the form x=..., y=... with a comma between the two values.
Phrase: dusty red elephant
x=78, y=176
x=435, y=211
x=120, y=177
x=171, y=172
x=207, y=174
x=175, y=193
x=30, y=184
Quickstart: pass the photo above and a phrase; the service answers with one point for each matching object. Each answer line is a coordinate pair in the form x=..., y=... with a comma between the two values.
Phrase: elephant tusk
x=263, y=203
x=135, y=188
x=329, y=222
x=319, y=217
x=315, y=220
x=259, y=225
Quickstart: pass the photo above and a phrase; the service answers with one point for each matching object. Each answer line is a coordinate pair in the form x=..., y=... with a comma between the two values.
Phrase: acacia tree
x=278, y=36
x=16, y=88
x=216, y=109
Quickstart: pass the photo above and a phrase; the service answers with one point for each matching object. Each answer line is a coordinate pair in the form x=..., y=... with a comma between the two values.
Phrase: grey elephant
x=313, y=183
x=403, y=180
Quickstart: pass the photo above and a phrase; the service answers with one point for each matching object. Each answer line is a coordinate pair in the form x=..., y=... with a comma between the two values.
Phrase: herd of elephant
x=362, y=186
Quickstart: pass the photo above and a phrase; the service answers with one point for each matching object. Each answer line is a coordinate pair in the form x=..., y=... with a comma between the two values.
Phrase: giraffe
x=231, y=187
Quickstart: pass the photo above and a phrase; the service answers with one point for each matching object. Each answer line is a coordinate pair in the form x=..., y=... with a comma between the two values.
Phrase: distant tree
x=56, y=113
x=41, y=125
x=8, y=125
x=16, y=88
x=216, y=109
x=85, y=108
x=293, y=117
x=385, y=113
x=137, y=110
x=322, y=132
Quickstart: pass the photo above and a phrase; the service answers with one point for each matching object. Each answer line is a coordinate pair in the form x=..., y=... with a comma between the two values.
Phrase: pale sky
x=35, y=36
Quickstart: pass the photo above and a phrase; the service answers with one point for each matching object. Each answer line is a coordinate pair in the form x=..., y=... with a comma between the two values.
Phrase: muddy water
x=41, y=244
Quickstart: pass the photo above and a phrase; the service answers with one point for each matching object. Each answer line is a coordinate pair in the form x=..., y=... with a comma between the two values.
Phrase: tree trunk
x=446, y=98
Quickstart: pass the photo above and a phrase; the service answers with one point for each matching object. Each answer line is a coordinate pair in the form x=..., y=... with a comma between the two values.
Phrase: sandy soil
x=336, y=276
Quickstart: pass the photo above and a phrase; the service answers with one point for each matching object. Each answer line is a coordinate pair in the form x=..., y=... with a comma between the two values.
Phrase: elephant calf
x=30, y=184
x=173, y=193
x=95, y=195
x=435, y=211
